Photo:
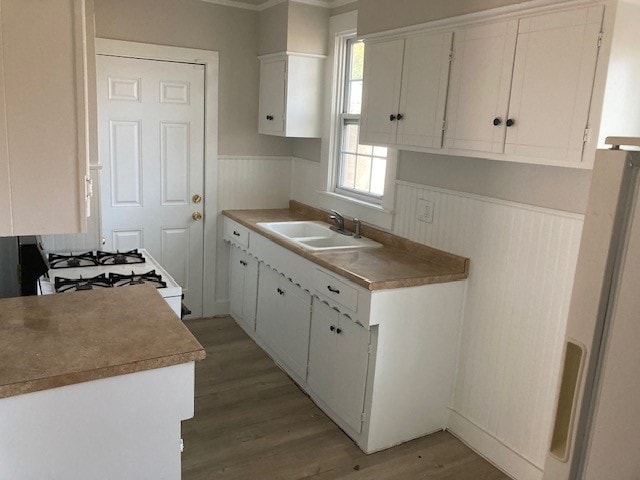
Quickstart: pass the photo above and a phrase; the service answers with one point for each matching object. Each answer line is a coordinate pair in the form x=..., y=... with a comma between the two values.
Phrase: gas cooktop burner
x=87, y=259
x=118, y=280
x=76, y=284
x=120, y=258
x=93, y=259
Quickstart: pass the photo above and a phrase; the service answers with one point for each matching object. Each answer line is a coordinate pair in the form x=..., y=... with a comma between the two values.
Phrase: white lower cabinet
x=283, y=319
x=338, y=362
x=380, y=364
x=243, y=288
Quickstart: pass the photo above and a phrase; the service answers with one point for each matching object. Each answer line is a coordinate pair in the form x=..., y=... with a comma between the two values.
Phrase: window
x=361, y=169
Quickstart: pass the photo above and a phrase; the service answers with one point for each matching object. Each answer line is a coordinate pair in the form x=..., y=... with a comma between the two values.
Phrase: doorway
x=155, y=182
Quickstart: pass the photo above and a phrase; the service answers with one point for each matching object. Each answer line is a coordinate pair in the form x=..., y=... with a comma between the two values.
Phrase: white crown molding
x=272, y=3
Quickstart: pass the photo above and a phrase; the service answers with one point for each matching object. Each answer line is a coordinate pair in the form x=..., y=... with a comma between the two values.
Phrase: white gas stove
x=92, y=270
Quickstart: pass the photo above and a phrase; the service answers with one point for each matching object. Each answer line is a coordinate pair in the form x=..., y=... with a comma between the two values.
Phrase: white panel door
x=272, y=97
x=552, y=83
x=381, y=92
x=480, y=86
x=425, y=82
x=151, y=148
x=338, y=363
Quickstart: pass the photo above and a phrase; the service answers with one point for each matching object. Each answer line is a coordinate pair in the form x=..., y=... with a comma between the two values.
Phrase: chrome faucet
x=358, y=226
x=338, y=219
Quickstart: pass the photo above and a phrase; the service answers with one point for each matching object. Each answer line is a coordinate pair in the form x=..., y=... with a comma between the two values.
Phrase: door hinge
x=451, y=55
x=444, y=125
x=587, y=134
x=370, y=348
x=600, y=36
x=363, y=416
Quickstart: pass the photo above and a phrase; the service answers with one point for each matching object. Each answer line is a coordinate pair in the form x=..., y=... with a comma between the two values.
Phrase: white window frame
x=378, y=213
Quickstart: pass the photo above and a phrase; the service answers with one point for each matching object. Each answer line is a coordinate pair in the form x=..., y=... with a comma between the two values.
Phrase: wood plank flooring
x=252, y=422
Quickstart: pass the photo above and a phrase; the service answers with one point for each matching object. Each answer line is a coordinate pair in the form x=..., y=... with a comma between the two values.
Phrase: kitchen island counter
x=56, y=340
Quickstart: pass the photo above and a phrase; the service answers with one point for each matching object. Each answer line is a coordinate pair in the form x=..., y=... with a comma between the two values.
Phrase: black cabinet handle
x=510, y=122
x=338, y=331
x=497, y=121
x=243, y=263
x=236, y=233
x=332, y=328
x=400, y=116
x=333, y=290
x=280, y=291
x=392, y=117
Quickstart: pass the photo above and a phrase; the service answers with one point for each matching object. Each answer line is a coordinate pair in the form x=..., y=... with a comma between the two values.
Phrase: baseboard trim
x=492, y=449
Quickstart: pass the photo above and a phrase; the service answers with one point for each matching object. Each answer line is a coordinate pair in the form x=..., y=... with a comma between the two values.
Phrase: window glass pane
x=365, y=149
x=363, y=173
x=380, y=152
x=357, y=60
x=348, y=171
x=355, y=97
x=350, y=139
x=378, y=171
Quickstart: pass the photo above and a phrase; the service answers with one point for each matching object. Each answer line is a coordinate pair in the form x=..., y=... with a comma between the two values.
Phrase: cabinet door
x=236, y=283
x=243, y=285
x=552, y=84
x=480, y=83
x=381, y=91
x=272, y=97
x=425, y=81
x=338, y=363
x=45, y=84
x=284, y=312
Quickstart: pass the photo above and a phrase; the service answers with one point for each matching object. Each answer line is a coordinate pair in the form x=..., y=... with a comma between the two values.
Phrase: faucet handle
x=358, y=225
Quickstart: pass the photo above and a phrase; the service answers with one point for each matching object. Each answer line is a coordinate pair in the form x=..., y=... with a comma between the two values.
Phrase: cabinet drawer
x=337, y=290
x=236, y=233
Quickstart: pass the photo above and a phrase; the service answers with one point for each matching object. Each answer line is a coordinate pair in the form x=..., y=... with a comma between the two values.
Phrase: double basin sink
x=317, y=236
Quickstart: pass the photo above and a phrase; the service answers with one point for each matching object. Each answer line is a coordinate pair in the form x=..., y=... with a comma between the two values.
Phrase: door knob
x=196, y=216
x=497, y=121
x=196, y=198
x=510, y=122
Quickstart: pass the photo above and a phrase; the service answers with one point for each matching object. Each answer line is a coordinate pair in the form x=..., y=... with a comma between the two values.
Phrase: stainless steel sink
x=317, y=236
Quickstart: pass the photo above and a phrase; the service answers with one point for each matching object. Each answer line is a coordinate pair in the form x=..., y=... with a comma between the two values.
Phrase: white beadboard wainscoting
x=523, y=260
x=247, y=182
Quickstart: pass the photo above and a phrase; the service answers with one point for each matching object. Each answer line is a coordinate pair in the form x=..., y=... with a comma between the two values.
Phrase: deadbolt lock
x=196, y=198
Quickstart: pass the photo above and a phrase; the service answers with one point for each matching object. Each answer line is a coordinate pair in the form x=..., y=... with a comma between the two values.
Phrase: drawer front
x=236, y=233
x=335, y=289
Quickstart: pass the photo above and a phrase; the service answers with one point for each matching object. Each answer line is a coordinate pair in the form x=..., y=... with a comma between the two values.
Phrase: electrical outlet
x=425, y=211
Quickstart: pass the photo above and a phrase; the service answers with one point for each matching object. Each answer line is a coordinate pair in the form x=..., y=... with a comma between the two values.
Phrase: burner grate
x=120, y=258
x=77, y=284
x=119, y=280
x=87, y=259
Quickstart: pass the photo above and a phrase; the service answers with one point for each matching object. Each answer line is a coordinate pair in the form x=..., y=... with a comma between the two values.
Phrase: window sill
x=367, y=212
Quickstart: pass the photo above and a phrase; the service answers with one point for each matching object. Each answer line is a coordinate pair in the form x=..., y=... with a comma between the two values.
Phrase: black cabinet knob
x=269, y=117
x=392, y=117
x=243, y=263
x=400, y=116
x=510, y=122
x=236, y=233
x=333, y=290
x=280, y=291
x=338, y=331
x=497, y=121
x=332, y=328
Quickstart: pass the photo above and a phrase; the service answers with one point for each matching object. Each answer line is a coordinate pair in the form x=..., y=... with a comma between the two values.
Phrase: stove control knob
x=197, y=216
x=196, y=198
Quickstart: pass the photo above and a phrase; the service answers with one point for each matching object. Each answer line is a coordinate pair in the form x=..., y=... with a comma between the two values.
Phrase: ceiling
x=264, y=4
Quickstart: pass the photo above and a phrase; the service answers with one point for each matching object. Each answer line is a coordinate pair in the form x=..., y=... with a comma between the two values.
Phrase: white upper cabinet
x=291, y=95
x=47, y=79
x=405, y=90
x=381, y=91
x=553, y=80
x=480, y=84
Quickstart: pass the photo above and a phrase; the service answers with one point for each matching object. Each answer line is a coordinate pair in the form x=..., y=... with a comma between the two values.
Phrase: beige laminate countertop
x=55, y=340
x=399, y=263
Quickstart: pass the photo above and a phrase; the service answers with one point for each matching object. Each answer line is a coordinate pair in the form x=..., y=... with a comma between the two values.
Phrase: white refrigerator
x=596, y=434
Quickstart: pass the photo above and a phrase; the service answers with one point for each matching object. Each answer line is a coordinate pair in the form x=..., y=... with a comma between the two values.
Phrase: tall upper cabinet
x=47, y=115
x=541, y=85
